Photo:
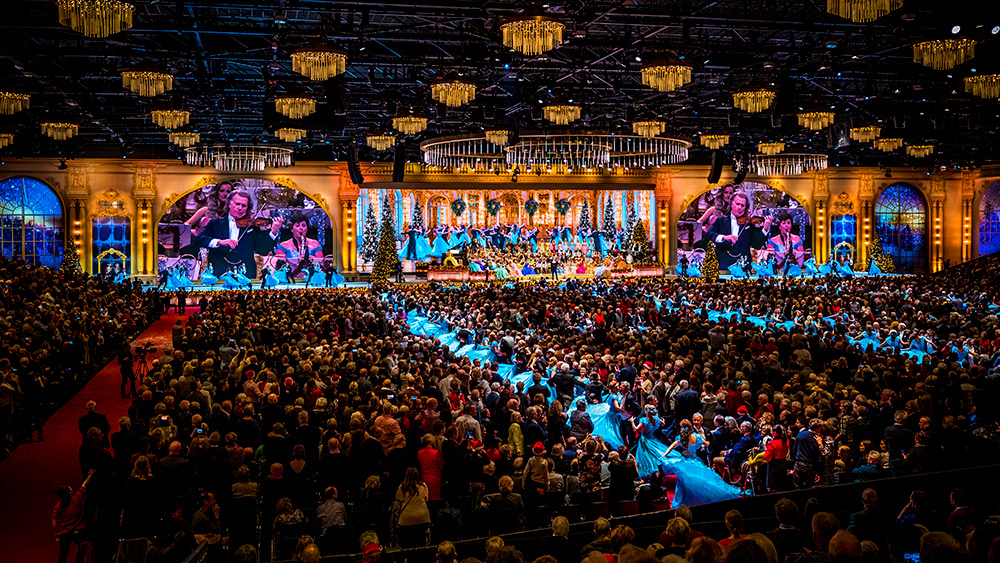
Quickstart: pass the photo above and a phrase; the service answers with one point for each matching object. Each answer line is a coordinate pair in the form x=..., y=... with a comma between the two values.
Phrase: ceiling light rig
x=60, y=131
x=319, y=62
x=888, y=144
x=170, y=118
x=532, y=32
x=983, y=85
x=409, y=124
x=816, y=120
x=498, y=137
x=919, y=151
x=147, y=79
x=239, y=158
x=666, y=72
x=95, y=18
x=290, y=134
x=865, y=134
x=771, y=148
x=649, y=127
x=294, y=106
x=715, y=141
x=943, y=54
x=184, y=139
x=753, y=100
x=453, y=91
x=787, y=164
x=562, y=112
x=380, y=142
x=13, y=102
x=862, y=11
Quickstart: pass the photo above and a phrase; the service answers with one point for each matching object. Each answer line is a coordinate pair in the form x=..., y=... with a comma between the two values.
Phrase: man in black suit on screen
x=234, y=240
x=735, y=235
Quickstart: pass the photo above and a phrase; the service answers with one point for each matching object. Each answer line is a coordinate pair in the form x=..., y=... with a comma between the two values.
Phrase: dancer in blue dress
x=441, y=246
x=696, y=483
x=649, y=450
x=532, y=237
x=413, y=250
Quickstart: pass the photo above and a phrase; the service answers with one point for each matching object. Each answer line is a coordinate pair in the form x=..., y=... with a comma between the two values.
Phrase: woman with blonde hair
x=414, y=519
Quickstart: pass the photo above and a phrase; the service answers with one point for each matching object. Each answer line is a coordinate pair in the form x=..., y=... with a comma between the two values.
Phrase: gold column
x=79, y=230
x=821, y=199
x=144, y=233
x=866, y=197
x=349, y=247
x=937, y=198
x=968, y=212
x=663, y=193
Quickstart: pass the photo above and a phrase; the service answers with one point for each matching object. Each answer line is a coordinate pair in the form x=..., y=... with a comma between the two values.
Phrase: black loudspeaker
x=716, y=172
x=352, y=165
x=399, y=163
x=741, y=172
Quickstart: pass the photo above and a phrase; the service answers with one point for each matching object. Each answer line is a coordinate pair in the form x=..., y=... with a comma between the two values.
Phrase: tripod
x=139, y=366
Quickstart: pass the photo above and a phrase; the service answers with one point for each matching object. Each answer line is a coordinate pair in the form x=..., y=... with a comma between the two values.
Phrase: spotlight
x=514, y=178
x=888, y=172
x=956, y=29
x=995, y=30
x=62, y=164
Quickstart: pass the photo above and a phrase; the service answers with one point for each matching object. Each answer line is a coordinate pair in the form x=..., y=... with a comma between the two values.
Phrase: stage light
x=995, y=30
x=62, y=164
x=956, y=29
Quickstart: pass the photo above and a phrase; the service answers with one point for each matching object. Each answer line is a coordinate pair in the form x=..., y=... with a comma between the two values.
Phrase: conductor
x=736, y=233
x=233, y=239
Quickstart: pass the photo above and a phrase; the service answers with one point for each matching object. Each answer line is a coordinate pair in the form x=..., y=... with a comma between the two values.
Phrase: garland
x=448, y=269
x=563, y=206
x=493, y=207
x=458, y=207
x=531, y=206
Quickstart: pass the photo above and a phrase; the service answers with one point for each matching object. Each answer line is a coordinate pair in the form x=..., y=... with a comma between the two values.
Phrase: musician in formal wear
x=736, y=233
x=299, y=250
x=234, y=239
x=787, y=248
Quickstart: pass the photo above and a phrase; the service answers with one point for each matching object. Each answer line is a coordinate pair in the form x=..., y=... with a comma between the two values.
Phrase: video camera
x=143, y=349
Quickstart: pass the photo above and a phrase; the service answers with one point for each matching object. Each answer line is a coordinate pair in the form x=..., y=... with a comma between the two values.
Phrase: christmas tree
x=710, y=267
x=386, y=260
x=369, y=238
x=640, y=241
x=417, y=219
x=71, y=259
x=877, y=255
x=609, y=217
x=585, y=221
x=630, y=221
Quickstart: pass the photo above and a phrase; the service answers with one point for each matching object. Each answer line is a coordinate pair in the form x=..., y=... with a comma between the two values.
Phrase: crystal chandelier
x=715, y=141
x=862, y=11
x=983, y=85
x=561, y=113
x=942, y=54
x=666, y=72
x=319, y=62
x=184, y=139
x=815, y=120
x=170, y=118
x=753, y=101
x=147, y=80
x=452, y=91
x=532, y=33
x=290, y=134
x=888, y=144
x=239, y=158
x=787, y=164
x=919, y=151
x=381, y=142
x=60, y=131
x=6, y=139
x=409, y=124
x=649, y=127
x=13, y=102
x=865, y=134
x=771, y=148
x=497, y=136
x=294, y=107
x=95, y=18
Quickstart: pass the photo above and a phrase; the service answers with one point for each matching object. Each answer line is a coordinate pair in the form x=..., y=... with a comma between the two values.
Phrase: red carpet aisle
x=30, y=477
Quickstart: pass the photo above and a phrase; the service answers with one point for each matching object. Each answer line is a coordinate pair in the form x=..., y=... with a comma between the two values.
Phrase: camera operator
x=125, y=361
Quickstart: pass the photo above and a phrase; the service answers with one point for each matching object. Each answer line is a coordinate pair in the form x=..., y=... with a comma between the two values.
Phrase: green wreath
x=458, y=207
x=493, y=206
x=563, y=206
x=531, y=206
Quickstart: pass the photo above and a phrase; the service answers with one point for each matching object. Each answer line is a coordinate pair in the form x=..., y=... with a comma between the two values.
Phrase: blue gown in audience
x=649, y=450
x=696, y=483
x=606, y=422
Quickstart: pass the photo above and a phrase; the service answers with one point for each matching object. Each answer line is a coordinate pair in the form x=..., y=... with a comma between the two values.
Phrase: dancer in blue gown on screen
x=696, y=482
x=441, y=246
x=649, y=450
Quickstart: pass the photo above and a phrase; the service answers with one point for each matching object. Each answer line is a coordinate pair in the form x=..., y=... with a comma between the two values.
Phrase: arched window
x=31, y=222
x=901, y=224
x=989, y=220
x=111, y=233
x=399, y=211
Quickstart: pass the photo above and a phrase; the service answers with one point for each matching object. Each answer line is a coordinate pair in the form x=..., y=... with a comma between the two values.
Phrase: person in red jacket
x=67, y=519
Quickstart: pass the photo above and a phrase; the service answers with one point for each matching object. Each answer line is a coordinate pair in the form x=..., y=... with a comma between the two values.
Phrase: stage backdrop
x=178, y=230
x=712, y=214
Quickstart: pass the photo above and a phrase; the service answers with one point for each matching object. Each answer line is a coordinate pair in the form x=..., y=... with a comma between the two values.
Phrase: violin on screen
x=755, y=220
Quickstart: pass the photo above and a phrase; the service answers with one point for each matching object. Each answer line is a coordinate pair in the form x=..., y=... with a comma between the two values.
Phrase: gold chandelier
x=562, y=113
x=862, y=11
x=532, y=33
x=649, y=127
x=60, y=131
x=919, y=151
x=170, y=118
x=184, y=139
x=815, y=120
x=983, y=85
x=888, y=144
x=753, y=101
x=772, y=148
x=13, y=102
x=6, y=139
x=294, y=107
x=865, y=134
x=942, y=54
x=319, y=62
x=290, y=134
x=452, y=91
x=498, y=136
x=95, y=18
x=381, y=142
x=666, y=72
x=715, y=141
x=147, y=80
x=409, y=124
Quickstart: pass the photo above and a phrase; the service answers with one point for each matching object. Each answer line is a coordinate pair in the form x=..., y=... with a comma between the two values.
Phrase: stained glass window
x=111, y=232
x=31, y=222
x=844, y=229
x=399, y=211
x=901, y=224
x=989, y=221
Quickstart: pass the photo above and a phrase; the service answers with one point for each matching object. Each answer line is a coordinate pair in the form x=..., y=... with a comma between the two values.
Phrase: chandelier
x=147, y=80
x=715, y=141
x=942, y=54
x=532, y=33
x=95, y=18
x=787, y=164
x=319, y=62
x=771, y=148
x=862, y=11
x=865, y=134
x=497, y=136
x=170, y=118
x=294, y=107
x=6, y=139
x=983, y=85
x=919, y=151
x=452, y=91
x=888, y=144
x=13, y=102
x=666, y=72
x=409, y=124
x=239, y=158
x=815, y=120
x=290, y=134
x=753, y=101
x=60, y=131
x=649, y=127
x=184, y=139
x=561, y=113
x=381, y=142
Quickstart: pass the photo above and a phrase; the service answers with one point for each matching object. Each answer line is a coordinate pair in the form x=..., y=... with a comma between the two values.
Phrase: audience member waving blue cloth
x=696, y=483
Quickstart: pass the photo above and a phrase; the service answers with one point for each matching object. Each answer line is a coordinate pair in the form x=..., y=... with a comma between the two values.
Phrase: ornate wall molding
x=937, y=190
x=843, y=205
x=821, y=184
x=78, y=181
x=144, y=179
x=866, y=185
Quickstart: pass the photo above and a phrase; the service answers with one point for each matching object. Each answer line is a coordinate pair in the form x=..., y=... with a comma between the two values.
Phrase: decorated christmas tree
x=71, y=260
x=609, y=217
x=386, y=260
x=369, y=237
x=585, y=221
x=877, y=255
x=630, y=221
x=417, y=219
x=710, y=267
x=640, y=241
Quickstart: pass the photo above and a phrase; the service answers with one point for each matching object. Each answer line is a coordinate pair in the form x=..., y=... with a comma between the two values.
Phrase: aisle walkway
x=30, y=477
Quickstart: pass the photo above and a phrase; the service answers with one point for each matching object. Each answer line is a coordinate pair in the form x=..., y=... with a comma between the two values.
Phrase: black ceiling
x=231, y=58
